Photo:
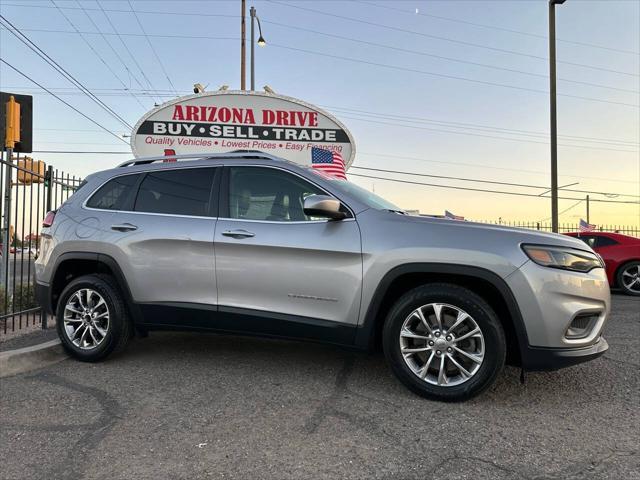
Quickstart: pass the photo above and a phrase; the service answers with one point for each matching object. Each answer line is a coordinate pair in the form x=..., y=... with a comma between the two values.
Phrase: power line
x=481, y=127
x=564, y=211
x=446, y=39
x=454, y=187
x=440, y=57
x=452, y=77
x=503, y=29
x=56, y=66
x=122, y=34
x=152, y=48
x=416, y=127
x=61, y=100
x=493, y=167
x=115, y=52
x=493, y=182
x=115, y=10
x=97, y=54
x=144, y=75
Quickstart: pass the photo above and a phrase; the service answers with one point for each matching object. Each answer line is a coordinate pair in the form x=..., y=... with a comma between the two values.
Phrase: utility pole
x=553, y=113
x=588, y=209
x=243, y=47
x=252, y=14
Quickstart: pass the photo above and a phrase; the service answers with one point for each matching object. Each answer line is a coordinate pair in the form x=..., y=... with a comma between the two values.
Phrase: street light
x=553, y=112
x=261, y=43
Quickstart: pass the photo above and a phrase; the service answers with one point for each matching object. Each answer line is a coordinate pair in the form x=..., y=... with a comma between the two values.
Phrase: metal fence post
x=48, y=180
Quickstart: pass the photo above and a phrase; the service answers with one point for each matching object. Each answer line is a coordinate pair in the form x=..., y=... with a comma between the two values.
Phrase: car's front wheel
x=444, y=342
x=91, y=318
x=629, y=278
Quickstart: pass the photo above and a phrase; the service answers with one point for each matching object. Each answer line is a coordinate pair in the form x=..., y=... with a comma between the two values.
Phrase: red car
x=621, y=254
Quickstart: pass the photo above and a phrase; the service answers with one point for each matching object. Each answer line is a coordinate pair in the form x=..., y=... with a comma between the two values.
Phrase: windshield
x=365, y=196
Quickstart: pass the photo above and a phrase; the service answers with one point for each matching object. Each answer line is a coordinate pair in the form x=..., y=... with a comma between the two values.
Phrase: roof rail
x=202, y=156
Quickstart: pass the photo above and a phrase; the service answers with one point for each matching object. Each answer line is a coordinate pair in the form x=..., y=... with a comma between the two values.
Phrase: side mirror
x=323, y=206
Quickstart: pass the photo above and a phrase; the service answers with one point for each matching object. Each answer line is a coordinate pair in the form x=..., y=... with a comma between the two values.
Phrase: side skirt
x=188, y=316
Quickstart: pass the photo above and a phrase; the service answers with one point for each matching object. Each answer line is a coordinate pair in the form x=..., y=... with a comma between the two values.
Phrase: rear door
x=164, y=240
x=274, y=260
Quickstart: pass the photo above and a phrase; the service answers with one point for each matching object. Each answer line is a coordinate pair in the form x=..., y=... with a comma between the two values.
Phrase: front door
x=274, y=259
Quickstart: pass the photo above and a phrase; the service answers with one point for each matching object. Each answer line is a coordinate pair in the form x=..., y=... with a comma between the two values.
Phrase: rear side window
x=177, y=192
x=113, y=195
x=605, y=242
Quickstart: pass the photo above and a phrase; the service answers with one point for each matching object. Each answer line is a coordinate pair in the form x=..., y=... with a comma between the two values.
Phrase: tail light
x=48, y=219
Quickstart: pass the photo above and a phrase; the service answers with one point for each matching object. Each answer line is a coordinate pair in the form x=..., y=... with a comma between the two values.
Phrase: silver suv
x=249, y=243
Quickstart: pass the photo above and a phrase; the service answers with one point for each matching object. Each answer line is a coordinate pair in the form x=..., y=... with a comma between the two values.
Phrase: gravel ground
x=182, y=406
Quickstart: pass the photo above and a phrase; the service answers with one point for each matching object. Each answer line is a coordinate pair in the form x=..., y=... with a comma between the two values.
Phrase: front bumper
x=541, y=358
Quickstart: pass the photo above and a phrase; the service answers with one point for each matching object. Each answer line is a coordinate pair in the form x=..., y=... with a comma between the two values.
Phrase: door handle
x=238, y=234
x=125, y=227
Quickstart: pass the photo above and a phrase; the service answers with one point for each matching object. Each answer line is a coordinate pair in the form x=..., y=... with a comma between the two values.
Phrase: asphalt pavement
x=192, y=406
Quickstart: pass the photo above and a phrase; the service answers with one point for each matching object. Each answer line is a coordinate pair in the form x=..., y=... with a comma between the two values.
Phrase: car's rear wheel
x=444, y=342
x=629, y=278
x=92, y=319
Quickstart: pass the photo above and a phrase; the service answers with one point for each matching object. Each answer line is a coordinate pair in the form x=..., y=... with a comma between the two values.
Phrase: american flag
x=451, y=216
x=586, y=227
x=328, y=162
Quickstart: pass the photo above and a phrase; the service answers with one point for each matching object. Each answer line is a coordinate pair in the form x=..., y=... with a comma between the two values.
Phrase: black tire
x=120, y=329
x=619, y=279
x=473, y=305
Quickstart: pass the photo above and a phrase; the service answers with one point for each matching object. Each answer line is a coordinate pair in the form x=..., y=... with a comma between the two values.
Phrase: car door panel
x=269, y=262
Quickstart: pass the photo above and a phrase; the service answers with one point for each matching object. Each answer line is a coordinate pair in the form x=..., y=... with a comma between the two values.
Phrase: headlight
x=562, y=257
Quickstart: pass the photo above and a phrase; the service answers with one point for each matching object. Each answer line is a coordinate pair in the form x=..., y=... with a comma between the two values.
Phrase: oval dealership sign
x=224, y=121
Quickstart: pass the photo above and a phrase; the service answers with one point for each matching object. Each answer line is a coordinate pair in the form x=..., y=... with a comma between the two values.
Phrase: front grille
x=582, y=325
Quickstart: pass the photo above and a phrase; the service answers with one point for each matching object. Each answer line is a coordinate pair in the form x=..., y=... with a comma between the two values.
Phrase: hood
x=521, y=235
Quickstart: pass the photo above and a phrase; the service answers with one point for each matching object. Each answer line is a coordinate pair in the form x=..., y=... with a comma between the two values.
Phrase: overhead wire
x=95, y=52
x=498, y=28
x=446, y=39
x=61, y=100
x=124, y=44
x=152, y=48
x=483, y=190
x=61, y=70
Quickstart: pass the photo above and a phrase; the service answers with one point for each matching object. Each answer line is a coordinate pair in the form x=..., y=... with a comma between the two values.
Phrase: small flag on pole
x=450, y=216
x=586, y=227
x=328, y=162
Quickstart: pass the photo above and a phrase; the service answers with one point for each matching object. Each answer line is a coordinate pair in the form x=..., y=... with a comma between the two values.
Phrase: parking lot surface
x=190, y=405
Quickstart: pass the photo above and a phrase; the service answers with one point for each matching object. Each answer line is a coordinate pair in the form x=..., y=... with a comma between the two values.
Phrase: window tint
x=268, y=194
x=113, y=194
x=605, y=241
x=180, y=192
x=589, y=240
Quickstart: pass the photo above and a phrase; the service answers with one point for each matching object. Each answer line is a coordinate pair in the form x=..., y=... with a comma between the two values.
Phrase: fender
x=365, y=334
x=113, y=266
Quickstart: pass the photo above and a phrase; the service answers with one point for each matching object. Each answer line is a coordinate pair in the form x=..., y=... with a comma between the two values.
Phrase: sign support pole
x=6, y=227
x=243, y=47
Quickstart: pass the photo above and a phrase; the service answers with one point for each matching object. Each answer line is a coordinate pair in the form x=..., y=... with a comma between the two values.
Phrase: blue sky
x=450, y=109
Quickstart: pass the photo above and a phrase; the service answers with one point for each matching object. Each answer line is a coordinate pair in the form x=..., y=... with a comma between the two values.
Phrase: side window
x=589, y=240
x=179, y=192
x=268, y=194
x=113, y=194
x=604, y=241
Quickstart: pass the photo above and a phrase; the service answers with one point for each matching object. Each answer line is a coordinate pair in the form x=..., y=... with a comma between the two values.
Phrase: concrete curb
x=20, y=360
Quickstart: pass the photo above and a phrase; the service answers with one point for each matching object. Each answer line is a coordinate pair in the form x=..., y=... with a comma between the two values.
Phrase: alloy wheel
x=442, y=344
x=631, y=278
x=86, y=319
